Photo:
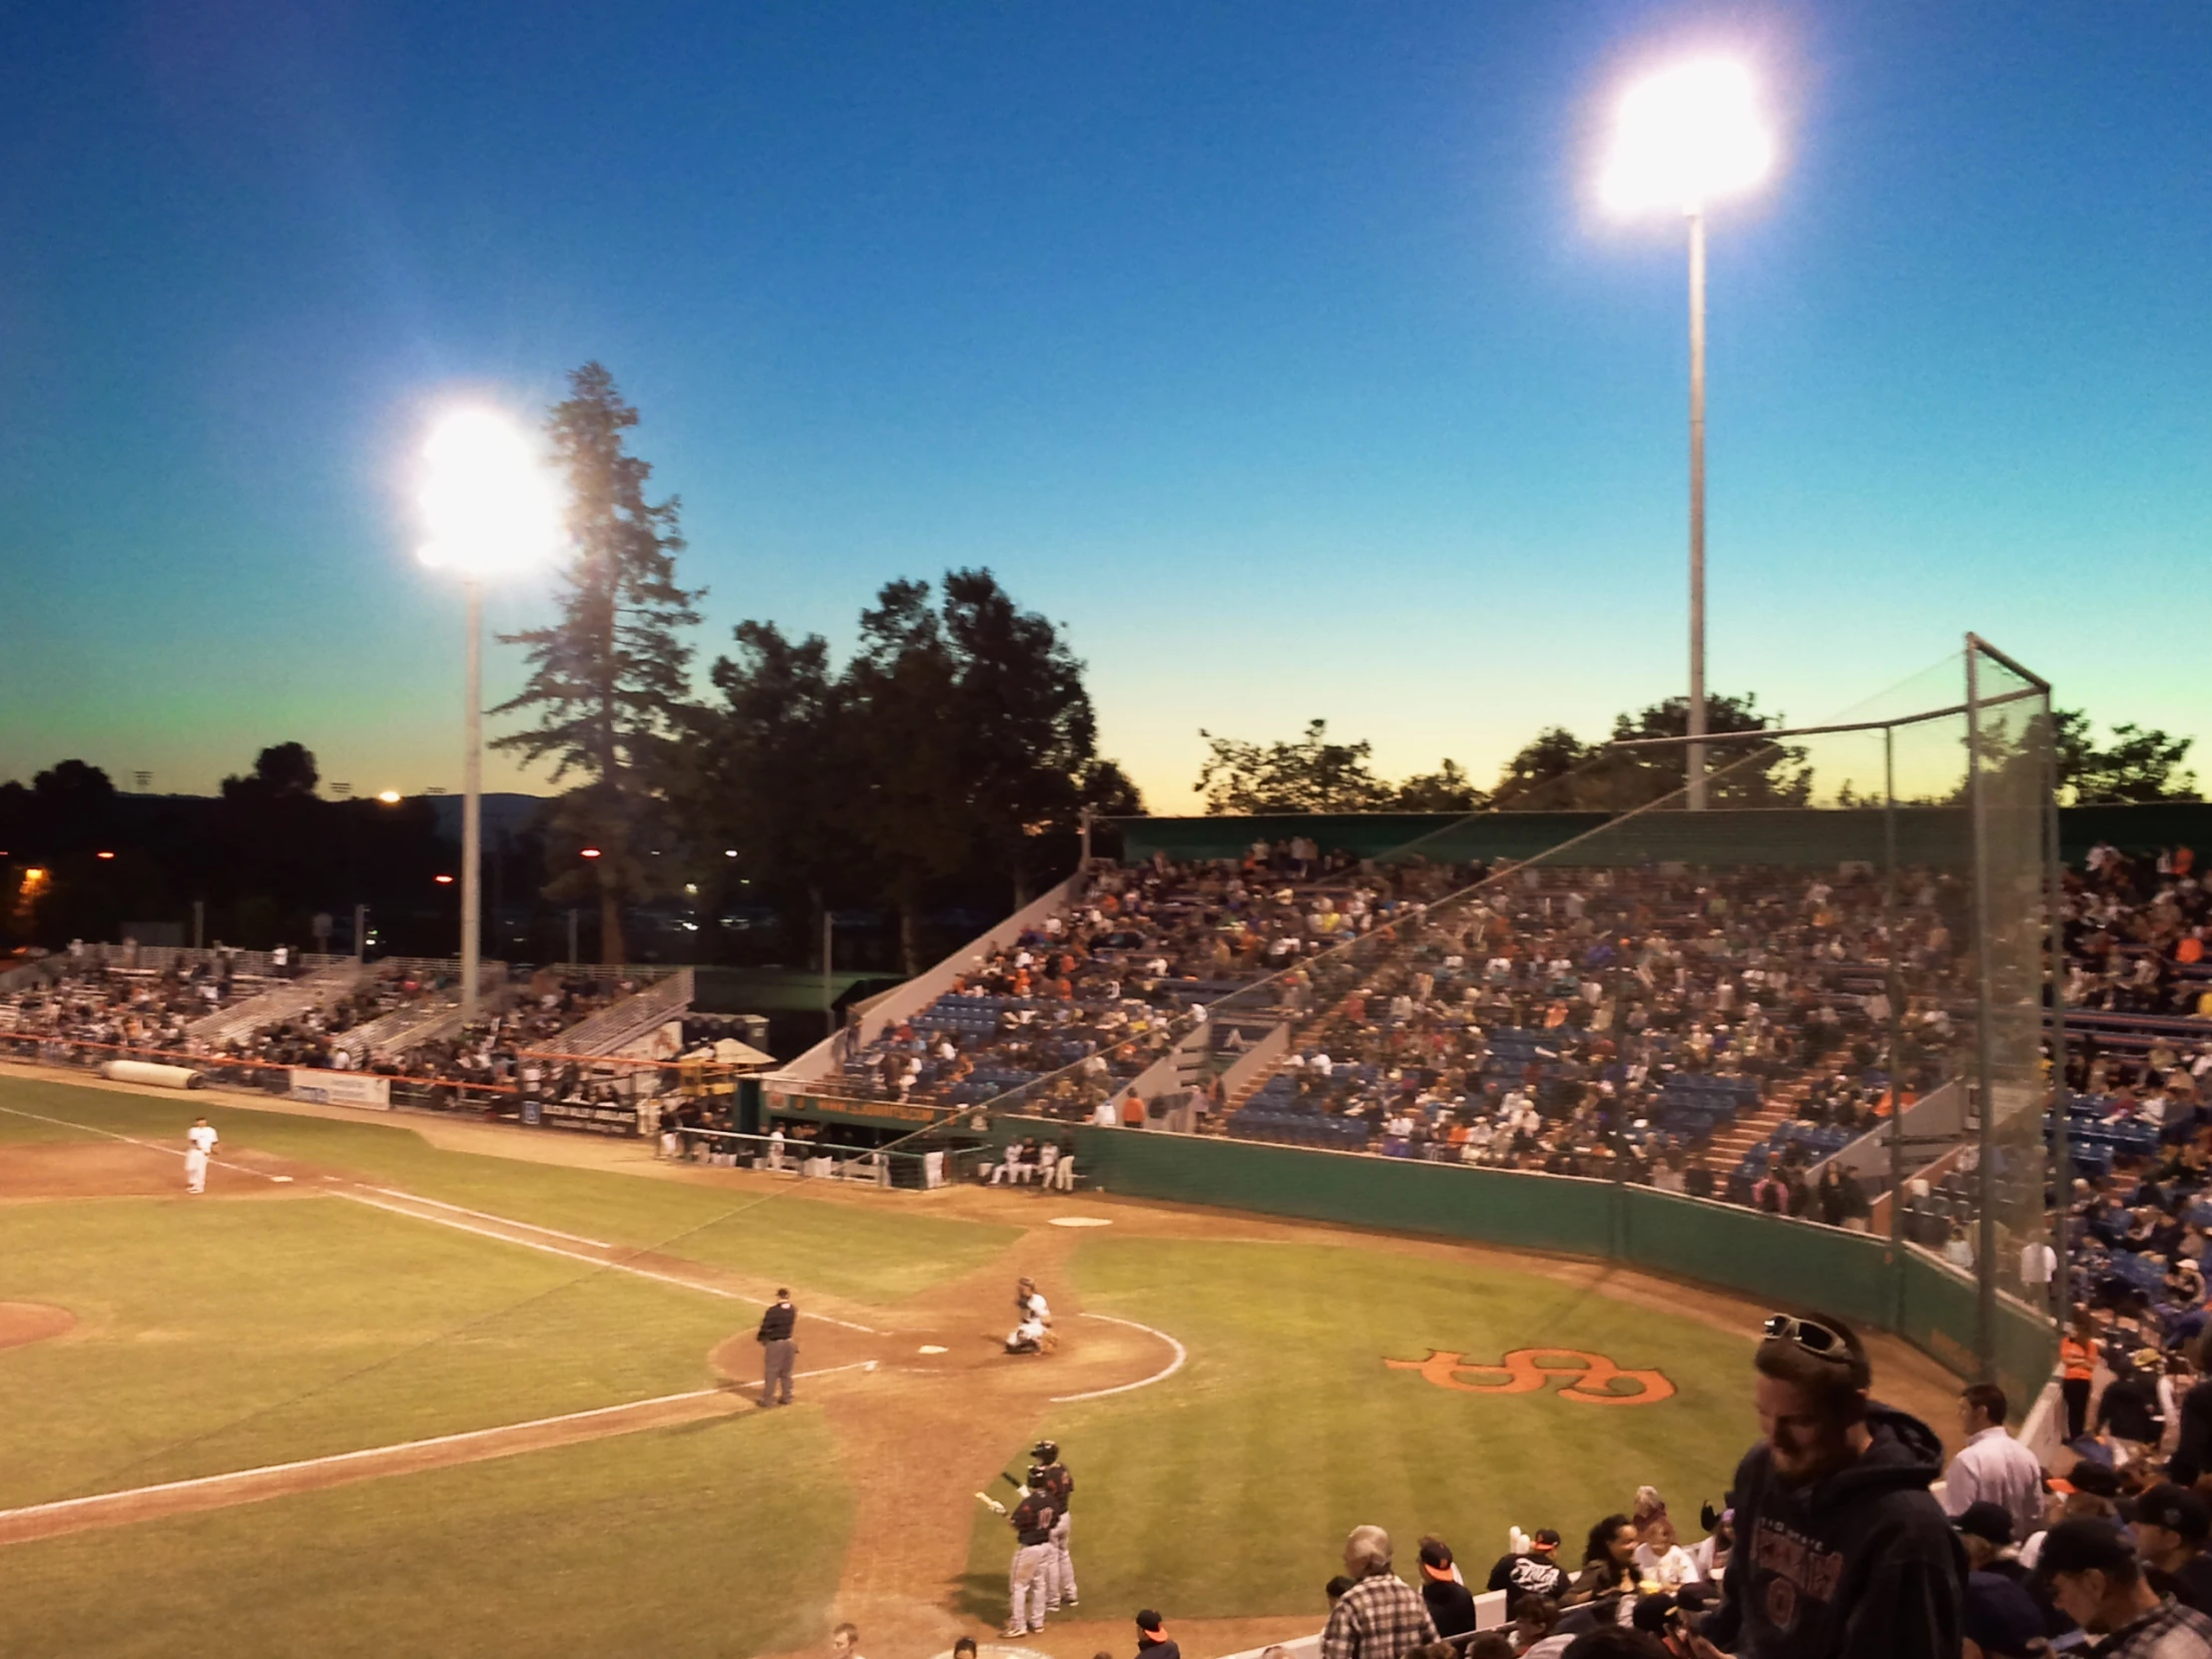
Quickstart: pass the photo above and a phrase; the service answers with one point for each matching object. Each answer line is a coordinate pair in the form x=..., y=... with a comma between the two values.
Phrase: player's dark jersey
x=1033, y=1518
x=1058, y=1485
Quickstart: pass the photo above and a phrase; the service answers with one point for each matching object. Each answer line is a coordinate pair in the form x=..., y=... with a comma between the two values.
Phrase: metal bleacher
x=621, y=1023
x=283, y=999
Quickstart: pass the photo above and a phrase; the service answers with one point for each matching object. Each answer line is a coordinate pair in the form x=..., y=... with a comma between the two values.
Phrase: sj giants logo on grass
x=1593, y=1379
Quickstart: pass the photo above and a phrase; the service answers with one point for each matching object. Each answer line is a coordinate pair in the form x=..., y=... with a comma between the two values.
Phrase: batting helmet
x=1046, y=1451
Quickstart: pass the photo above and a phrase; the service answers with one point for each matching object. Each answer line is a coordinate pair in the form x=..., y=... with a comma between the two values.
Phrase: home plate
x=1081, y=1221
x=930, y=1347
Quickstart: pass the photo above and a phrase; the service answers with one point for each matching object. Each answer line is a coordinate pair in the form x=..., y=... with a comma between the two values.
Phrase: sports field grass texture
x=713, y=1541
x=219, y=1336
x=1227, y=1490
x=867, y=1254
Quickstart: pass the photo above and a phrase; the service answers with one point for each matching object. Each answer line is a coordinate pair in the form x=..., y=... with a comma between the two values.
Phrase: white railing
x=925, y=988
x=622, y=1023
x=285, y=1000
x=430, y=1017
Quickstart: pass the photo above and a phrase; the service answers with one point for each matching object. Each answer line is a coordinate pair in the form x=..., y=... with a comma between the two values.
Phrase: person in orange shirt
x=2077, y=1369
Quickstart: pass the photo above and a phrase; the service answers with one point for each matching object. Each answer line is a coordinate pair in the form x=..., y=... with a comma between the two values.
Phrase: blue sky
x=1281, y=351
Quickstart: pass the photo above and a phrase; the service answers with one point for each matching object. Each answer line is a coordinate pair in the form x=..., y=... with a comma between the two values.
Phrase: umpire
x=777, y=1351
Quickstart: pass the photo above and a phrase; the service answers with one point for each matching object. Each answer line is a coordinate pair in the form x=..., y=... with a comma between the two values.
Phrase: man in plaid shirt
x=2096, y=1581
x=1381, y=1616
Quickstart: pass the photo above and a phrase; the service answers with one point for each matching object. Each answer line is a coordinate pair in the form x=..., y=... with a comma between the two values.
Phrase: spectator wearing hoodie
x=1841, y=1551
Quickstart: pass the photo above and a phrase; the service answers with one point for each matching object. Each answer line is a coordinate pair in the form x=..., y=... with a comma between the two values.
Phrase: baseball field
x=406, y=1385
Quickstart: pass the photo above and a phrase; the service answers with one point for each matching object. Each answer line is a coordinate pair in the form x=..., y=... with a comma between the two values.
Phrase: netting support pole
x=1695, y=759
x=1897, y=993
x=2061, y=1133
x=1986, y=1265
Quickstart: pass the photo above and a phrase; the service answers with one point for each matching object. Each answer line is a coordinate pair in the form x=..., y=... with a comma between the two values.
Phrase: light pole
x=1681, y=137
x=491, y=510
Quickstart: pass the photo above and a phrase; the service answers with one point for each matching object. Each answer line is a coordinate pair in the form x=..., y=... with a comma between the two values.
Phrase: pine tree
x=607, y=681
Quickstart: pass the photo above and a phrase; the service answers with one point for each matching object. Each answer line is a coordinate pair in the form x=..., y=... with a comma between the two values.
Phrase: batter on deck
x=1051, y=1478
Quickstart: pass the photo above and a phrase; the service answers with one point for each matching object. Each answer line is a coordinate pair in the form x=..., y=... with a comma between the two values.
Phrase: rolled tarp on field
x=145, y=1071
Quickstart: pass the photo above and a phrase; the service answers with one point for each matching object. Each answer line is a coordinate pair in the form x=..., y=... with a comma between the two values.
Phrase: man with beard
x=1841, y=1551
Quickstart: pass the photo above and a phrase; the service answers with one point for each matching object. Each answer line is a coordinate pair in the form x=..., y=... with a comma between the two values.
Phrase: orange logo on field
x=1527, y=1369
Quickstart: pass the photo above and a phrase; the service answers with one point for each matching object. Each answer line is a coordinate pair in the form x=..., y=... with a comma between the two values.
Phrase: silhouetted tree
x=607, y=681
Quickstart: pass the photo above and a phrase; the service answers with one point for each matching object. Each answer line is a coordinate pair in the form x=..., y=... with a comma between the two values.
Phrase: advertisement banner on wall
x=341, y=1088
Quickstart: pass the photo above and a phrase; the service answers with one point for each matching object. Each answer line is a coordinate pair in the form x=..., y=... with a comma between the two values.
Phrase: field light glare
x=488, y=503
x=1684, y=137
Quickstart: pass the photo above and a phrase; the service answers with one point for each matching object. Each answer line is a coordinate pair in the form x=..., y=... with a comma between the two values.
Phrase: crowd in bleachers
x=116, y=1006
x=1610, y=1022
x=1086, y=1000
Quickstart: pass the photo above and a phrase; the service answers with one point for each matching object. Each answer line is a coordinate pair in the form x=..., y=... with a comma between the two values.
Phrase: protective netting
x=1733, y=1002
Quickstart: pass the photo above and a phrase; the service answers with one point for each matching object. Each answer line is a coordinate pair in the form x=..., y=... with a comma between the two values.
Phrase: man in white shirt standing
x=199, y=1145
x=2038, y=1265
x=1993, y=1466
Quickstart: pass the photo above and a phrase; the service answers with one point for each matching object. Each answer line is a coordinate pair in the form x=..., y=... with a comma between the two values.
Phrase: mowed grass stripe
x=1227, y=1490
x=874, y=1253
x=714, y=1541
x=215, y=1337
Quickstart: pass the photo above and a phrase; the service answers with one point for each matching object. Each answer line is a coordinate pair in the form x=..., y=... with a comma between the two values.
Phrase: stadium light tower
x=491, y=511
x=1683, y=138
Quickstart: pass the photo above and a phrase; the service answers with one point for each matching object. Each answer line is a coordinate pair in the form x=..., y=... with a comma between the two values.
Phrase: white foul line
x=482, y=1233
x=576, y=1256
x=1175, y=1364
x=65, y=1506
x=112, y=1135
x=486, y=1215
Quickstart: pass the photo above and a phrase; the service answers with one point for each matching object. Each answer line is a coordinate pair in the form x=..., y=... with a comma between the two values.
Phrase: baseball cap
x=1548, y=1537
x=1149, y=1622
x=2086, y=1546
x=2177, y=1510
x=1987, y=1520
x=2097, y=1479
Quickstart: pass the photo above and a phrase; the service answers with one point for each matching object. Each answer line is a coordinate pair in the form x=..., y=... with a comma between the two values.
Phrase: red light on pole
x=443, y=881
x=589, y=853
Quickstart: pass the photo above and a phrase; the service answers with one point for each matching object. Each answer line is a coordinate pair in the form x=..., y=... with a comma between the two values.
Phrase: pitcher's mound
x=31, y=1322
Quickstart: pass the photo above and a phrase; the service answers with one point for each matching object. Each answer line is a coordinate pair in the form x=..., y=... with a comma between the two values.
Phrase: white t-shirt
x=1038, y=1309
x=199, y=1138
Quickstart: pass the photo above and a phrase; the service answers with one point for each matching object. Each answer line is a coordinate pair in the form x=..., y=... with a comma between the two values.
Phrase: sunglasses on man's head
x=1809, y=1335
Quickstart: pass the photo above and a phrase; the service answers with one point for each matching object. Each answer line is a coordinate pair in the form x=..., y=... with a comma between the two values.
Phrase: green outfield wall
x=1793, y=1264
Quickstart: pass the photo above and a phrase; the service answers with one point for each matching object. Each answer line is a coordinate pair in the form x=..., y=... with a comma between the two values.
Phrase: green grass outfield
x=869, y=1254
x=718, y=1539
x=1227, y=1490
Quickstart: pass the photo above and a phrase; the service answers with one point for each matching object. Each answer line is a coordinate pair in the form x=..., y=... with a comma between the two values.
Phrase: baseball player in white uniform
x=199, y=1145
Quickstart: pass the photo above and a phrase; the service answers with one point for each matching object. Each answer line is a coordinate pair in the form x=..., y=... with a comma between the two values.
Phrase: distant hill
x=504, y=815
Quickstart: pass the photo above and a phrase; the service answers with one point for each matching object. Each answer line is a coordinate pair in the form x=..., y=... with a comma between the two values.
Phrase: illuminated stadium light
x=589, y=853
x=103, y=854
x=492, y=510
x=389, y=798
x=490, y=506
x=1684, y=137
x=443, y=881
